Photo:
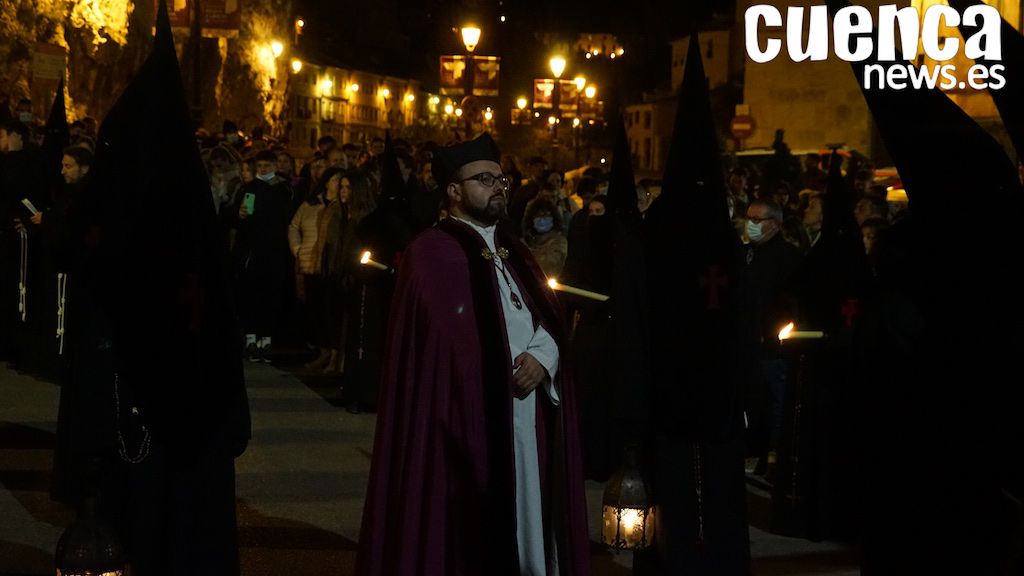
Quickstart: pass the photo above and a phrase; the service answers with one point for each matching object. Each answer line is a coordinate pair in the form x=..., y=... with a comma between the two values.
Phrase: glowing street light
x=622, y=51
x=277, y=48
x=575, y=122
x=488, y=115
x=353, y=87
x=470, y=37
x=296, y=65
x=410, y=97
x=522, y=102
x=326, y=84
x=458, y=112
x=581, y=82
x=385, y=92
x=449, y=109
x=435, y=100
x=557, y=64
x=552, y=120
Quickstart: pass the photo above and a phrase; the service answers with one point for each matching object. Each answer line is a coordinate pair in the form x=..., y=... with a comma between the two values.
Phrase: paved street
x=300, y=486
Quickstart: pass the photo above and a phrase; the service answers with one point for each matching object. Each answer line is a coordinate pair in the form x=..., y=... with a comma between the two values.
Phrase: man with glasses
x=765, y=307
x=476, y=465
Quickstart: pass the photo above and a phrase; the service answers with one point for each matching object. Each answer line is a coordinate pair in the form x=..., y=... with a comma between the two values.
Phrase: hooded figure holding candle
x=476, y=464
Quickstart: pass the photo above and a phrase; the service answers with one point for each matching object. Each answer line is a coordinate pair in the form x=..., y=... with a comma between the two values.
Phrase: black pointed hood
x=160, y=263
x=57, y=135
x=392, y=187
x=622, y=199
x=390, y=227
x=926, y=134
x=692, y=253
x=1008, y=99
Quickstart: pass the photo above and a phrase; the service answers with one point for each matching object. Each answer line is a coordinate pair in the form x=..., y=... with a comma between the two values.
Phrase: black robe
x=156, y=368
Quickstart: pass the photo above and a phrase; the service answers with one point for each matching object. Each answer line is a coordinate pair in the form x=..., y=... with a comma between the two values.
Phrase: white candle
x=788, y=333
x=577, y=291
x=367, y=261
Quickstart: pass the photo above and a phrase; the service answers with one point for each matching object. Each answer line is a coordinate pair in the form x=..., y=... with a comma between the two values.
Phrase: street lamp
x=557, y=64
x=277, y=48
x=296, y=65
x=590, y=91
x=581, y=82
x=470, y=38
x=521, y=103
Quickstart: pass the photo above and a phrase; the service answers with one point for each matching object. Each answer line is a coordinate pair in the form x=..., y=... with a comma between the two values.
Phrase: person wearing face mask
x=24, y=112
x=264, y=256
x=542, y=231
x=765, y=306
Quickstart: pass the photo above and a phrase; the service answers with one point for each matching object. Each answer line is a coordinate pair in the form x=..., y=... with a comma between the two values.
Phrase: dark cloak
x=441, y=497
x=816, y=489
x=385, y=232
x=42, y=356
x=697, y=414
x=948, y=312
x=158, y=334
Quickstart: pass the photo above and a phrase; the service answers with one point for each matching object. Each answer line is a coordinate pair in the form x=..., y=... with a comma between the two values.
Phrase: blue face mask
x=544, y=224
x=266, y=177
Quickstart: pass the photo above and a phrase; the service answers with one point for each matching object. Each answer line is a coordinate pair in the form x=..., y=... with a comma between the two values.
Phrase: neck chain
x=497, y=258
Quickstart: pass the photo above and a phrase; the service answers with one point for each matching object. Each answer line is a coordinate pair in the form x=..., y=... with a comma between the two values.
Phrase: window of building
x=647, y=119
x=647, y=153
x=313, y=137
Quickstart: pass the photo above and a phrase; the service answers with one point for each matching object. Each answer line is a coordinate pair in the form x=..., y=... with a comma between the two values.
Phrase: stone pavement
x=300, y=486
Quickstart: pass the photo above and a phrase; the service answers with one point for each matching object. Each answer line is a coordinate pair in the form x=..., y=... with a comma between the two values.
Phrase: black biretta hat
x=448, y=159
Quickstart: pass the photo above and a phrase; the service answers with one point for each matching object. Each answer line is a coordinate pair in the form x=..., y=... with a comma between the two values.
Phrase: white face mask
x=754, y=231
x=266, y=177
x=25, y=117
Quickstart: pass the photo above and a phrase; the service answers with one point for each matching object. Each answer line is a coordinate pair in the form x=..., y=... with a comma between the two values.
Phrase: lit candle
x=788, y=333
x=366, y=260
x=577, y=291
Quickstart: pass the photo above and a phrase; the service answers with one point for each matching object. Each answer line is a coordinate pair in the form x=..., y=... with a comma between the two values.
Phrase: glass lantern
x=88, y=547
x=627, y=512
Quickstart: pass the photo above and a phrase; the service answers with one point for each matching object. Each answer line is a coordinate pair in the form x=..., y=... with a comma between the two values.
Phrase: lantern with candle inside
x=88, y=546
x=627, y=512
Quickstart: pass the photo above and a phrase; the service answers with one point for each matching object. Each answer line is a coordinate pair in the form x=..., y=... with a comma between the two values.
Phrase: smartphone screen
x=249, y=201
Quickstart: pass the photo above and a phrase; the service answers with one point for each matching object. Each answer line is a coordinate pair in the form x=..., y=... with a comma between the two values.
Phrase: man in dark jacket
x=263, y=255
x=768, y=265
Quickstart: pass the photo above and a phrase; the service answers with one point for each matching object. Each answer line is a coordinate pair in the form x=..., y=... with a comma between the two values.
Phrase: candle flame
x=786, y=331
x=365, y=257
x=631, y=519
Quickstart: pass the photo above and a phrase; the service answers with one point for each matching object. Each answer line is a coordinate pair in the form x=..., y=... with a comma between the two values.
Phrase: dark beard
x=489, y=214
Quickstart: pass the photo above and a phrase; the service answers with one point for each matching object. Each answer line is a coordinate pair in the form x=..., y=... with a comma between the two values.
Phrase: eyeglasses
x=488, y=180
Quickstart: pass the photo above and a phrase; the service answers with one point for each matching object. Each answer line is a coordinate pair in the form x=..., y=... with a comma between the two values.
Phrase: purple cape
x=441, y=497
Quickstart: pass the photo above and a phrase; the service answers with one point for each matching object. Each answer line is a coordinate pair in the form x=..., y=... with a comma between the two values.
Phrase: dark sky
x=405, y=38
